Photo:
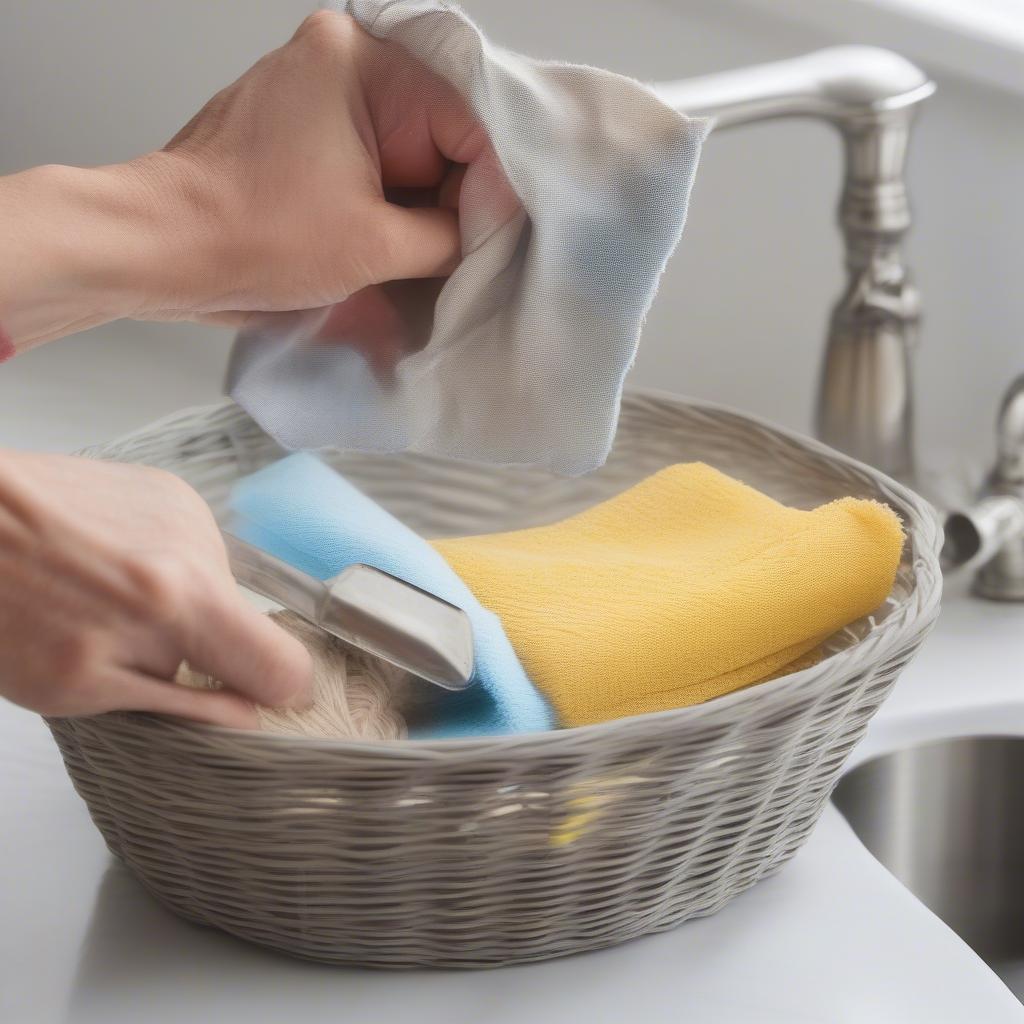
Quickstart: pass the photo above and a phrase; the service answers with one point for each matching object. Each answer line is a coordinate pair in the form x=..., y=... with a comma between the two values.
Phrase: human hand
x=274, y=197
x=110, y=576
x=295, y=164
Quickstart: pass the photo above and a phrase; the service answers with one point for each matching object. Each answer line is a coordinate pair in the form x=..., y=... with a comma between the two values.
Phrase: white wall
x=741, y=314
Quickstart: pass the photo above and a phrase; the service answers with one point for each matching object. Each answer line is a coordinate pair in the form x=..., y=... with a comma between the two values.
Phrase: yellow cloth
x=687, y=586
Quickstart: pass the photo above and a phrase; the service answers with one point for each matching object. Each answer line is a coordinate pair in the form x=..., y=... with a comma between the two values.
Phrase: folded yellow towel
x=687, y=586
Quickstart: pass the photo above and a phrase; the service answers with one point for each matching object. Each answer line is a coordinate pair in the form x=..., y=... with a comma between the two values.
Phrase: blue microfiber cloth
x=302, y=511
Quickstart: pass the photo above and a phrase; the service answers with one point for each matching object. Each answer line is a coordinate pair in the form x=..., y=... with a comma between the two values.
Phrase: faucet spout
x=864, y=404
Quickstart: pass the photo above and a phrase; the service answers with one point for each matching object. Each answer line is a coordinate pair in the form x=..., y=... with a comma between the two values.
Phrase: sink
x=947, y=819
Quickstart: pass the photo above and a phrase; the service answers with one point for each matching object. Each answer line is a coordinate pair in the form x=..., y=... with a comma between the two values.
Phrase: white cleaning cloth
x=533, y=333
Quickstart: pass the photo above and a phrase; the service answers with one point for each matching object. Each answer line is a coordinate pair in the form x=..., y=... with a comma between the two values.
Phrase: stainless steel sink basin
x=947, y=819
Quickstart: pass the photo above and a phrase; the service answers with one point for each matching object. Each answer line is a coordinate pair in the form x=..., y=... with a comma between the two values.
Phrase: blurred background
x=743, y=308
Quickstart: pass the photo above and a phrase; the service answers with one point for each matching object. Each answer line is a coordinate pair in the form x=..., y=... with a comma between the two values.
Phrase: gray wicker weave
x=471, y=853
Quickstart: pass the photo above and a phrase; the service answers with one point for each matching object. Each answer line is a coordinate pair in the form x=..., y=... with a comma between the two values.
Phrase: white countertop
x=832, y=938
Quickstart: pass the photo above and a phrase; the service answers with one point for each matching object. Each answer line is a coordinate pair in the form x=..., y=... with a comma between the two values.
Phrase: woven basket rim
x=921, y=607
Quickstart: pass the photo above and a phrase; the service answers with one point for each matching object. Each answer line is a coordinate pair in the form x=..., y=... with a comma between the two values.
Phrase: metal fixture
x=368, y=608
x=990, y=533
x=864, y=400
x=945, y=819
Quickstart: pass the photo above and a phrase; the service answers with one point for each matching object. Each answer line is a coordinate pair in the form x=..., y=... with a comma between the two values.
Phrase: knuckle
x=317, y=21
x=170, y=500
x=327, y=29
x=73, y=656
x=170, y=484
x=160, y=584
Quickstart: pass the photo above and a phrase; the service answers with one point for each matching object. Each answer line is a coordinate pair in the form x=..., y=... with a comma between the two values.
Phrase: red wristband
x=6, y=345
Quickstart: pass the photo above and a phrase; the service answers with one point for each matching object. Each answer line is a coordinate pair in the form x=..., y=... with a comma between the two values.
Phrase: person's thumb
x=415, y=242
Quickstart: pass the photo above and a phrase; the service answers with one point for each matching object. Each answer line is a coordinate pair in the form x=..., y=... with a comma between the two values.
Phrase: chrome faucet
x=864, y=404
x=989, y=535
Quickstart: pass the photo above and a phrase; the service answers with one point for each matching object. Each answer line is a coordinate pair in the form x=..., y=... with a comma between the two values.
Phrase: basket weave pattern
x=472, y=853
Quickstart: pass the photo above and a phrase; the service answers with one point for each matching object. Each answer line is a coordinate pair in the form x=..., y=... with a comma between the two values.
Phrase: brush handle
x=275, y=579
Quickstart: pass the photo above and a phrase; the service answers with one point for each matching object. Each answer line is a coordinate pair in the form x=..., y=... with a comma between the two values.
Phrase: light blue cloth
x=305, y=513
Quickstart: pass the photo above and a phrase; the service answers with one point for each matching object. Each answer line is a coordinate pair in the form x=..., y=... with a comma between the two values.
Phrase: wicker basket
x=472, y=853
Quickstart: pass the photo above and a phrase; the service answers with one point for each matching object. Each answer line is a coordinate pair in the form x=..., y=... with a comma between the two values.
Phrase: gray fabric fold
x=533, y=333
